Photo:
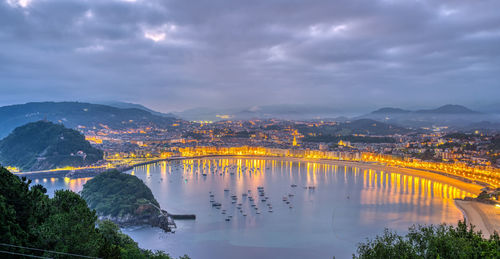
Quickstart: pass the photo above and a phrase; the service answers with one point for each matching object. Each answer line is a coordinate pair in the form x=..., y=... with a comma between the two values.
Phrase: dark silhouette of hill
x=449, y=109
x=115, y=194
x=276, y=111
x=366, y=127
x=373, y=127
x=456, y=116
x=44, y=145
x=125, y=105
x=390, y=110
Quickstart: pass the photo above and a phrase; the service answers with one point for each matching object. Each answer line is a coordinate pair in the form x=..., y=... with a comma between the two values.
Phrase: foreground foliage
x=442, y=241
x=64, y=223
x=115, y=194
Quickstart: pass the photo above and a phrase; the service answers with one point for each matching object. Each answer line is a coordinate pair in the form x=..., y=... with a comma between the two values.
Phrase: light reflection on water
x=347, y=205
x=56, y=183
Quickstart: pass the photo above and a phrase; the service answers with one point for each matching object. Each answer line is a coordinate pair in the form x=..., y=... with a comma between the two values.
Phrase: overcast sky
x=175, y=55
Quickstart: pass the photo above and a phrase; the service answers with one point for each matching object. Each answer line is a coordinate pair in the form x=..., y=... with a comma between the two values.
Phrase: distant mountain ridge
x=456, y=116
x=367, y=127
x=125, y=105
x=276, y=111
x=74, y=114
x=389, y=110
x=445, y=109
x=449, y=109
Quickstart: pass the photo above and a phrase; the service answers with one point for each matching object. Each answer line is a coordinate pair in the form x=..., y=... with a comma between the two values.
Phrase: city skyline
x=173, y=56
x=250, y=129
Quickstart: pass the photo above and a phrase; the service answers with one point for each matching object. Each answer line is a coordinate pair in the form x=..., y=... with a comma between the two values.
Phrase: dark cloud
x=175, y=55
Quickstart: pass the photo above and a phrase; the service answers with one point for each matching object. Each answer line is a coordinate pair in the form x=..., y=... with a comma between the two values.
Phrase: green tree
x=64, y=223
x=116, y=194
x=70, y=226
x=441, y=241
x=21, y=208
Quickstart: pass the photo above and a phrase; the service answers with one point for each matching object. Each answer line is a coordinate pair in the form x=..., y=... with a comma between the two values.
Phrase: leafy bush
x=442, y=241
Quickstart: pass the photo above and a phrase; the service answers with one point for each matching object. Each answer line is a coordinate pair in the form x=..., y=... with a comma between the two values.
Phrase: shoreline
x=482, y=216
x=459, y=182
x=485, y=217
x=462, y=183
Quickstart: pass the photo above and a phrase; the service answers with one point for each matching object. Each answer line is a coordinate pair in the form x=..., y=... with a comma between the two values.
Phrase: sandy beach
x=485, y=217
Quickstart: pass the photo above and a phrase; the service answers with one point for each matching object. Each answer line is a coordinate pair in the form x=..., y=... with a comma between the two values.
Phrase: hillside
x=277, y=111
x=125, y=105
x=455, y=116
x=73, y=114
x=449, y=109
x=390, y=110
x=116, y=194
x=44, y=145
x=372, y=127
x=363, y=126
x=125, y=200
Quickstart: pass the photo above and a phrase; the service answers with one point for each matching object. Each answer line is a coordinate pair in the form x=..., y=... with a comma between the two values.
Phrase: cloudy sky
x=175, y=55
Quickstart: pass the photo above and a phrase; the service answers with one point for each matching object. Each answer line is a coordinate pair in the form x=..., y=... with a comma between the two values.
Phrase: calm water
x=346, y=206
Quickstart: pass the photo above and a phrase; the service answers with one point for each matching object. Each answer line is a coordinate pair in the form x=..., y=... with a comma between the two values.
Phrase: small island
x=125, y=200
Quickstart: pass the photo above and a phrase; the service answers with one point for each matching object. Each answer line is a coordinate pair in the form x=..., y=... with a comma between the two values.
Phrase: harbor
x=240, y=200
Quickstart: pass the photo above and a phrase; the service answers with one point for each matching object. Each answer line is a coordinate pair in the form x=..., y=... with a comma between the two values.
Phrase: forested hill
x=73, y=114
x=361, y=126
x=44, y=145
x=117, y=194
x=125, y=200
